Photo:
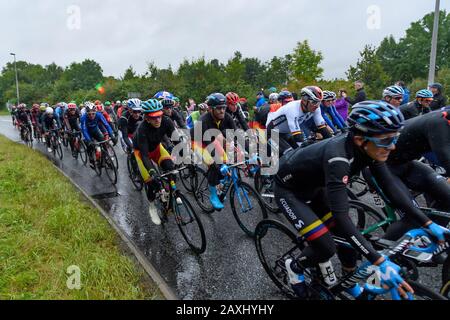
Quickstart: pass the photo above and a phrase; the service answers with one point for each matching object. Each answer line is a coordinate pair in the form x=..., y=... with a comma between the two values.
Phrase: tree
x=370, y=71
x=129, y=74
x=85, y=75
x=305, y=63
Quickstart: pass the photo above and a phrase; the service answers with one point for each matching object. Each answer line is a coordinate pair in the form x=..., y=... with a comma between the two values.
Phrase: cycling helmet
x=49, y=110
x=107, y=104
x=124, y=103
x=329, y=95
x=97, y=102
x=375, y=117
x=134, y=104
x=272, y=90
x=273, y=97
x=42, y=108
x=203, y=106
x=176, y=99
x=72, y=106
x=118, y=102
x=167, y=103
x=152, y=107
x=424, y=93
x=285, y=95
x=90, y=107
x=393, y=91
x=232, y=98
x=436, y=86
x=312, y=93
x=35, y=106
x=216, y=100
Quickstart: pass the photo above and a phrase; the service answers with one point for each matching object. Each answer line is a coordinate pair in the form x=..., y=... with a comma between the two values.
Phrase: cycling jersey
x=23, y=117
x=413, y=109
x=428, y=133
x=48, y=123
x=128, y=126
x=71, y=121
x=58, y=115
x=321, y=172
x=94, y=125
x=178, y=119
x=238, y=117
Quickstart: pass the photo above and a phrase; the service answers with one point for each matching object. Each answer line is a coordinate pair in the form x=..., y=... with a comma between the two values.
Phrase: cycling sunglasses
x=383, y=142
x=152, y=118
x=397, y=98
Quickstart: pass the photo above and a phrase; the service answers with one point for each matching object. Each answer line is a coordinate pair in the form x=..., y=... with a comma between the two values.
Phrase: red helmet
x=99, y=107
x=71, y=106
x=232, y=98
x=35, y=106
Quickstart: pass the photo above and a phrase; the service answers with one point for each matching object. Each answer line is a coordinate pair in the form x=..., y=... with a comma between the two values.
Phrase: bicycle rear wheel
x=275, y=243
x=189, y=224
x=201, y=193
x=247, y=206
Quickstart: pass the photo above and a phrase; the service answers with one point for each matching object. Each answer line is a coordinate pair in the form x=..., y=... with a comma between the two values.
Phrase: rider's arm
x=396, y=194
x=439, y=140
x=105, y=123
x=179, y=120
x=142, y=146
x=337, y=171
x=123, y=127
x=84, y=128
x=241, y=118
x=321, y=124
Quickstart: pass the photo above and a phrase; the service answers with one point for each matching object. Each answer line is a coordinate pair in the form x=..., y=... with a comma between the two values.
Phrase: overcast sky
x=121, y=33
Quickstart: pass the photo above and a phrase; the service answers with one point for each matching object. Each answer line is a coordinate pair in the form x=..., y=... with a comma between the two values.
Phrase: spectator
x=192, y=106
x=406, y=90
x=260, y=100
x=439, y=99
x=342, y=105
x=360, y=93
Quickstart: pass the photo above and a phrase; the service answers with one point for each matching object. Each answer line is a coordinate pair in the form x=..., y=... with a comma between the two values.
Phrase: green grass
x=46, y=226
x=4, y=112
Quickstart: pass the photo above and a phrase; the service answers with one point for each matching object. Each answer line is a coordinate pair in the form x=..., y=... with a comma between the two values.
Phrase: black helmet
x=437, y=86
x=284, y=95
x=216, y=100
x=375, y=117
x=168, y=103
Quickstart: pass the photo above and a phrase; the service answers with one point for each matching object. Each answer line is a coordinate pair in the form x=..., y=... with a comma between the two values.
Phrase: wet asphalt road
x=229, y=269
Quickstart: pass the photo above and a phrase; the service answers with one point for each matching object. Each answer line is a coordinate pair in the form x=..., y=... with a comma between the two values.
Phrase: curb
x=168, y=293
x=165, y=289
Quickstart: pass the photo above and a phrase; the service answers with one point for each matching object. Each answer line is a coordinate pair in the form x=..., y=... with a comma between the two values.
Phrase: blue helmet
x=152, y=107
x=216, y=100
x=375, y=117
x=393, y=91
x=424, y=93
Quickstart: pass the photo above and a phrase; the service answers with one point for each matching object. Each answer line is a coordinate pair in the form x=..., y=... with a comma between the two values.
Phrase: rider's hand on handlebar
x=390, y=277
x=438, y=231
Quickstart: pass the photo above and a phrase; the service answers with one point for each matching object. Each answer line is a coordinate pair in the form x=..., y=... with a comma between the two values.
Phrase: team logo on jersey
x=345, y=179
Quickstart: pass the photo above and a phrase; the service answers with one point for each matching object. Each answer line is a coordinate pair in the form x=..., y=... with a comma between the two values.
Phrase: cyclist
x=235, y=111
x=421, y=135
x=23, y=119
x=418, y=107
x=393, y=95
x=218, y=119
x=71, y=121
x=439, y=100
x=289, y=119
x=310, y=189
x=34, y=117
x=330, y=114
x=59, y=114
x=13, y=114
x=174, y=115
x=194, y=116
x=48, y=123
x=91, y=128
x=148, y=146
x=263, y=112
x=129, y=122
x=285, y=97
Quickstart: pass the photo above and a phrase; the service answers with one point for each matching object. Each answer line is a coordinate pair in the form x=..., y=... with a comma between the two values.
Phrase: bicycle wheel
x=358, y=186
x=201, y=193
x=366, y=217
x=264, y=186
x=275, y=242
x=247, y=206
x=59, y=150
x=65, y=140
x=133, y=173
x=112, y=154
x=82, y=151
x=110, y=168
x=189, y=178
x=29, y=139
x=189, y=224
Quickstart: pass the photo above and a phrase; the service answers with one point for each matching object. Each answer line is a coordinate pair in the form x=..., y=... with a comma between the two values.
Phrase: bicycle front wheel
x=247, y=206
x=275, y=243
x=134, y=173
x=59, y=150
x=110, y=168
x=112, y=154
x=189, y=223
x=201, y=193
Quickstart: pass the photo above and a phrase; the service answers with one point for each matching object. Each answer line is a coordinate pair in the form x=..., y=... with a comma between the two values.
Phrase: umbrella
x=163, y=95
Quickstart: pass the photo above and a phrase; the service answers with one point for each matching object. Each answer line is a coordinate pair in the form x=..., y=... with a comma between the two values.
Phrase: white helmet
x=49, y=110
x=273, y=97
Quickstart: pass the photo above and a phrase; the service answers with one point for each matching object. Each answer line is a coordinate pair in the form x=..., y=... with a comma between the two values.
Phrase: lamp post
x=432, y=72
x=17, y=79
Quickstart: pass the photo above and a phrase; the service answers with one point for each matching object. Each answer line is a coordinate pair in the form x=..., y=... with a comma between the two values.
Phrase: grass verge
x=46, y=228
x=4, y=112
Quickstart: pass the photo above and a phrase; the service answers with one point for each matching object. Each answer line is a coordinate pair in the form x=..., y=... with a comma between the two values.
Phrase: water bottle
x=329, y=276
x=97, y=153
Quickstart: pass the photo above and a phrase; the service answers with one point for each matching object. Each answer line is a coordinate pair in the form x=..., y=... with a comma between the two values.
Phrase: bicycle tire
x=364, y=210
x=246, y=189
x=82, y=152
x=197, y=246
x=112, y=154
x=110, y=168
x=274, y=269
x=134, y=176
x=201, y=193
x=59, y=151
x=270, y=203
x=189, y=179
